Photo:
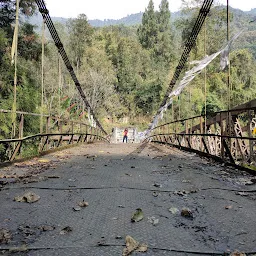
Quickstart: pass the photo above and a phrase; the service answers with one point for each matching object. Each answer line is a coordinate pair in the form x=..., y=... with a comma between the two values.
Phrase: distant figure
x=125, y=135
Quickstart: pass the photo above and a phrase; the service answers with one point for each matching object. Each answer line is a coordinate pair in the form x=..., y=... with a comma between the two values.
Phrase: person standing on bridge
x=125, y=138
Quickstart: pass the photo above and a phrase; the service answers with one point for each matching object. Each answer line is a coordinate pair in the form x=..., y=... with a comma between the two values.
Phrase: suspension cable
x=188, y=46
x=45, y=13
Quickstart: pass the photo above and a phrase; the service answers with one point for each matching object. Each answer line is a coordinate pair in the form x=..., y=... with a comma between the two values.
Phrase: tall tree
x=163, y=48
x=80, y=36
x=155, y=32
x=147, y=31
x=164, y=16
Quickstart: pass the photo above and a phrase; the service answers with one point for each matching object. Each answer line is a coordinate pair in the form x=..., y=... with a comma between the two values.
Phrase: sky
x=116, y=9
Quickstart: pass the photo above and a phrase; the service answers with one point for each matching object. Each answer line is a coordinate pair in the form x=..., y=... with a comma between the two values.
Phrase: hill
x=240, y=20
x=135, y=19
x=129, y=20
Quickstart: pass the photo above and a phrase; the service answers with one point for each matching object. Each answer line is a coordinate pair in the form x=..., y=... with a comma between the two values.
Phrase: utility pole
x=205, y=77
x=228, y=78
x=173, y=110
x=179, y=102
x=228, y=75
x=42, y=78
x=15, y=41
x=60, y=87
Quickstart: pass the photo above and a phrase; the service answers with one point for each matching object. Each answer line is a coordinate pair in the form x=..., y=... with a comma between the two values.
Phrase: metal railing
x=227, y=135
x=53, y=133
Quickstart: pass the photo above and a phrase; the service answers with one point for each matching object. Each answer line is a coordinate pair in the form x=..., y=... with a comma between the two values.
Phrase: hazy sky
x=116, y=9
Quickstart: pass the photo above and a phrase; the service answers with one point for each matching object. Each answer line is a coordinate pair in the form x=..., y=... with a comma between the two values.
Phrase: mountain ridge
x=129, y=20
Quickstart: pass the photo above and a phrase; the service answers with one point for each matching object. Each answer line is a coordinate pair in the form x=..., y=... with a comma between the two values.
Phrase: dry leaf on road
x=137, y=215
x=29, y=197
x=83, y=204
x=142, y=248
x=66, y=230
x=173, y=210
x=153, y=220
x=43, y=160
x=237, y=253
x=133, y=245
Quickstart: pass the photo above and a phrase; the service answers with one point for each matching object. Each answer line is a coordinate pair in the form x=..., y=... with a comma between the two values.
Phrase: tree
x=29, y=46
x=243, y=85
x=155, y=33
x=147, y=31
x=98, y=79
x=163, y=49
x=80, y=37
x=7, y=12
x=28, y=55
x=126, y=72
x=163, y=17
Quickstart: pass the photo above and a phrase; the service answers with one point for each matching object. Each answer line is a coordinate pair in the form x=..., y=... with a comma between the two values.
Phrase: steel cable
x=45, y=13
x=188, y=46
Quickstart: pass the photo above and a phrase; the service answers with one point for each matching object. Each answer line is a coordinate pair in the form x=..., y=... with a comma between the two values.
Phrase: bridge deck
x=116, y=179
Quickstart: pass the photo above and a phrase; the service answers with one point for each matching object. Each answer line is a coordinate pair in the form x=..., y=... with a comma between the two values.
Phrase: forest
x=124, y=70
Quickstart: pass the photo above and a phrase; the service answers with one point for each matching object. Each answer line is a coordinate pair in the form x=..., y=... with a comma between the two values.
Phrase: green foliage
x=3, y=43
x=211, y=38
x=154, y=33
x=80, y=36
x=27, y=83
x=7, y=12
x=213, y=104
x=29, y=46
x=124, y=71
x=98, y=78
x=147, y=31
x=148, y=96
x=163, y=50
x=243, y=85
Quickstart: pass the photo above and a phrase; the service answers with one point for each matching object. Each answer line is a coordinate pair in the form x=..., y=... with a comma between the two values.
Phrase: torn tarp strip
x=190, y=75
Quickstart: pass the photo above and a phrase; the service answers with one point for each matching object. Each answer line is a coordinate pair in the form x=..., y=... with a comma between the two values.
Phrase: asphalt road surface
x=191, y=205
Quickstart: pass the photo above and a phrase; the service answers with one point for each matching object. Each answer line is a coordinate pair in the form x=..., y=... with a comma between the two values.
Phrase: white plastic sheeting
x=191, y=74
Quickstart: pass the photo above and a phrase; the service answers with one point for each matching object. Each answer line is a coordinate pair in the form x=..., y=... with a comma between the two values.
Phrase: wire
x=37, y=248
x=188, y=46
x=45, y=13
x=122, y=187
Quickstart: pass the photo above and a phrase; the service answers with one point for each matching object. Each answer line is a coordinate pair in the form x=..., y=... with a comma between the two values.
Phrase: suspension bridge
x=66, y=190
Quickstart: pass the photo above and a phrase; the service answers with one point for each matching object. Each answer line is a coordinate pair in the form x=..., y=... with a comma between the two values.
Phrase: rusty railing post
x=249, y=129
x=72, y=131
x=186, y=131
x=201, y=132
x=21, y=126
x=221, y=134
x=48, y=130
x=17, y=147
x=86, y=133
x=81, y=132
x=21, y=129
